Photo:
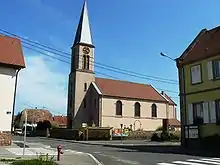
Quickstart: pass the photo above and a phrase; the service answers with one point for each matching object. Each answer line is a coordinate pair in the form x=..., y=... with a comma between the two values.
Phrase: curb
x=108, y=145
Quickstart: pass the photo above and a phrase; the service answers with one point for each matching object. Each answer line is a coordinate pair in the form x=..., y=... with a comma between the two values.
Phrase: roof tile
x=206, y=45
x=110, y=87
x=174, y=122
x=11, y=52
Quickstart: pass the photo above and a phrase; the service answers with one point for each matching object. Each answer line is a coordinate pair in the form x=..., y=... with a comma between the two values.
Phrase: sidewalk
x=33, y=150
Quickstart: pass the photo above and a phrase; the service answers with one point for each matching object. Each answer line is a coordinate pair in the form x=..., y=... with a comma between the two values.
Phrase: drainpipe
x=15, y=91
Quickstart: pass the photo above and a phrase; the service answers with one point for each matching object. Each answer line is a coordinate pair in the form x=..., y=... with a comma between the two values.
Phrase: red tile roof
x=117, y=88
x=11, y=52
x=205, y=45
x=60, y=120
x=174, y=122
x=170, y=100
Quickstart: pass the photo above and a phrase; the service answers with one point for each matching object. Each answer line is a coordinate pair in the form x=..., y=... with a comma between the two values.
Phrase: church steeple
x=83, y=33
x=82, y=72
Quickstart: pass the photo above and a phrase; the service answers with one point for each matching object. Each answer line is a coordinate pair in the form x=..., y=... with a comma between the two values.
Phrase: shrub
x=211, y=142
x=174, y=137
x=140, y=135
x=164, y=136
x=155, y=137
x=99, y=134
x=159, y=129
x=43, y=125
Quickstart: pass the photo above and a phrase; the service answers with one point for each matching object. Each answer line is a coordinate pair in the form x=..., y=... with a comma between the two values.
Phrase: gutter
x=15, y=91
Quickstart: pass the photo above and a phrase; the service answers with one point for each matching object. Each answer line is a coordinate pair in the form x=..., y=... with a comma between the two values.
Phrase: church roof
x=11, y=52
x=125, y=89
x=83, y=33
x=169, y=99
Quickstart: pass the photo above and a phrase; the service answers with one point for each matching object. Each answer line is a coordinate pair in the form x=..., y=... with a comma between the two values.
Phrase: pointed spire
x=83, y=34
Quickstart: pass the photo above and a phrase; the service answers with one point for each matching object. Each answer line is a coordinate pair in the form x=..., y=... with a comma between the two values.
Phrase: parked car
x=18, y=132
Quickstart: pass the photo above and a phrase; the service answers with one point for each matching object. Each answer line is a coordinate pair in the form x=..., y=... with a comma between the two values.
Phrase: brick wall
x=5, y=139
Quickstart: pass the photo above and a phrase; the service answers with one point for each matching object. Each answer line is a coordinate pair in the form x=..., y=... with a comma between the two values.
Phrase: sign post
x=121, y=132
x=25, y=132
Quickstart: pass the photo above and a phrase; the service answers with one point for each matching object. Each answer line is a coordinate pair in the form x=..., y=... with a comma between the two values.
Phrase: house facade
x=107, y=102
x=199, y=74
x=11, y=62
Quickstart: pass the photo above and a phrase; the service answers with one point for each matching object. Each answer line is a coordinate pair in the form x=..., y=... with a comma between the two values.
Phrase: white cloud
x=41, y=85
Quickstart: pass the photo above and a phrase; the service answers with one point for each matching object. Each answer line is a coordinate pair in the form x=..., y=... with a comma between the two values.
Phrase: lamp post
x=182, y=96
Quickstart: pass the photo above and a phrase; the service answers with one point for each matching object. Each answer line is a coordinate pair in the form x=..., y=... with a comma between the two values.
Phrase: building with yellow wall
x=199, y=82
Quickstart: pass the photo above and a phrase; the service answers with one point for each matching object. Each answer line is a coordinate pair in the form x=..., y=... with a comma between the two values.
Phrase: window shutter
x=210, y=70
x=198, y=73
x=212, y=111
x=190, y=114
x=206, y=112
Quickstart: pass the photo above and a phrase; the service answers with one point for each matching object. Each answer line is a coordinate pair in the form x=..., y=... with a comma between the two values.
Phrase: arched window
x=119, y=108
x=87, y=62
x=154, y=110
x=84, y=61
x=137, y=111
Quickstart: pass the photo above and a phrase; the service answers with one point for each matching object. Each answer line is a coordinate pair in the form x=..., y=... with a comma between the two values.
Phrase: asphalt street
x=112, y=155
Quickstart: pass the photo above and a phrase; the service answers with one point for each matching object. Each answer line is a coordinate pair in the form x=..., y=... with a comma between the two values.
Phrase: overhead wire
x=55, y=53
x=63, y=54
x=45, y=54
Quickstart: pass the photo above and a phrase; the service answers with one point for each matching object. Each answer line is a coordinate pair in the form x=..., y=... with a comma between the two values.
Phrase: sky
x=128, y=34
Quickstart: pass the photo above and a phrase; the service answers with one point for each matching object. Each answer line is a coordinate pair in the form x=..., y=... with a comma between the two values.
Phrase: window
x=119, y=108
x=203, y=112
x=154, y=110
x=198, y=113
x=216, y=65
x=137, y=112
x=85, y=86
x=88, y=62
x=196, y=74
x=84, y=103
x=84, y=61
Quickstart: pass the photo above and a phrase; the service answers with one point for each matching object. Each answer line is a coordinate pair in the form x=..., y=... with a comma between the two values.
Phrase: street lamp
x=182, y=99
x=164, y=55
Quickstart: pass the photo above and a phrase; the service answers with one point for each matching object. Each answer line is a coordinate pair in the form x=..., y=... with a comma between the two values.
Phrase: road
x=133, y=155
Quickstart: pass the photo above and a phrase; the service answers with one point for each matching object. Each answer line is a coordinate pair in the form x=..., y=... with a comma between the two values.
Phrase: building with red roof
x=11, y=62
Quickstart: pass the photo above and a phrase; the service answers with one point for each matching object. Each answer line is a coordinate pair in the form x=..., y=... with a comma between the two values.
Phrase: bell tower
x=82, y=71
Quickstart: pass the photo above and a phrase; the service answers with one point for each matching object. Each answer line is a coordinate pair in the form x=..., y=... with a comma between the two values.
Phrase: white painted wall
x=7, y=86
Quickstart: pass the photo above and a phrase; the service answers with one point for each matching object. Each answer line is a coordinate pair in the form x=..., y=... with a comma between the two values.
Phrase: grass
x=40, y=160
x=33, y=162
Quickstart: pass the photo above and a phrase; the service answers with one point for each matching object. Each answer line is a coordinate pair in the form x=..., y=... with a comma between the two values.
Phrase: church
x=107, y=102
